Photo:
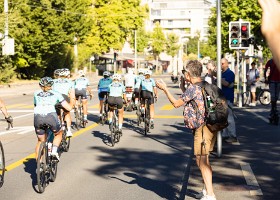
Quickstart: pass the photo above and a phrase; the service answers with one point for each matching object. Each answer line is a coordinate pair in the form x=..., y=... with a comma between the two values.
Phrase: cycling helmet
x=117, y=77
x=46, y=81
x=148, y=72
x=56, y=72
x=81, y=72
x=67, y=72
x=141, y=71
x=106, y=74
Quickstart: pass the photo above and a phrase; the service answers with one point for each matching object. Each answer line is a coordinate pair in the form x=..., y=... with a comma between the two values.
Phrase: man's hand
x=161, y=85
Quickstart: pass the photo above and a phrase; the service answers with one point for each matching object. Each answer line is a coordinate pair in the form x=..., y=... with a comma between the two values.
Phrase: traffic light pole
x=238, y=78
x=219, y=45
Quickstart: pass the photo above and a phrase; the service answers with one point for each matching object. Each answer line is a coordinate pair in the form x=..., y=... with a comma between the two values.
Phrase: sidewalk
x=257, y=150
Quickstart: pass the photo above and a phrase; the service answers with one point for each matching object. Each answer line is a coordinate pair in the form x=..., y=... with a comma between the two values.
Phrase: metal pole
x=135, y=51
x=219, y=45
x=239, y=99
x=6, y=8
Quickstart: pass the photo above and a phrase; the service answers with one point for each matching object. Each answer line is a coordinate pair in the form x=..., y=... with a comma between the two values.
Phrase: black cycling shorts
x=50, y=119
x=101, y=95
x=147, y=95
x=82, y=93
x=112, y=101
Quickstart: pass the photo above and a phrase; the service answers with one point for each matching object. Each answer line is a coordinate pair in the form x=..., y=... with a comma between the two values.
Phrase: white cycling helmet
x=148, y=72
x=117, y=77
x=56, y=72
x=64, y=72
x=141, y=71
x=81, y=73
x=106, y=74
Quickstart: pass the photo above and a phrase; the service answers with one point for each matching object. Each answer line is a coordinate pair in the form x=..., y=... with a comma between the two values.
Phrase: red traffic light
x=244, y=28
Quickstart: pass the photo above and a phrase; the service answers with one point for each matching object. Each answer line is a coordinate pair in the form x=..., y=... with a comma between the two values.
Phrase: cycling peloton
x=103, y=88
x=148, y=91
x=64, y=86
x=81, y=85
x=45, y=113
x=116, y=96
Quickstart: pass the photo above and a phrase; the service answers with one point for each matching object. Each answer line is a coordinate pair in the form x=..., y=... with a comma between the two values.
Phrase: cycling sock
x=100, y=115
x=54, y=149
x=85, y=116
x=136, y=101
x=152, y=120
x=110, y=121
x=120, y=126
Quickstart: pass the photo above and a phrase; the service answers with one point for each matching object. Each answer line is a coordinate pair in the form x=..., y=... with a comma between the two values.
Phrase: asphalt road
x=157, y=166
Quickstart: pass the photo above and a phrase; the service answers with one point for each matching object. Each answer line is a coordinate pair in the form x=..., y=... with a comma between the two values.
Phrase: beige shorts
x=209, y=140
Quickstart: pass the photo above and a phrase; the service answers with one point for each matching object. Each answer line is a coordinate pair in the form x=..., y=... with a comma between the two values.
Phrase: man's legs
x=230, y=131
x=68, y=120
x=56, y=142
x=85, y=108
x=206, y=172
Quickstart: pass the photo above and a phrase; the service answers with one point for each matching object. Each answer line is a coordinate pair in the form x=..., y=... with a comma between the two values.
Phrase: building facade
x=187, y=18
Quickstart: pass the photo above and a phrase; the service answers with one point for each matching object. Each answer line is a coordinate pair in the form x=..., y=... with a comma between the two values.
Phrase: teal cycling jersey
x=104, y=83
x=148, y=84
x=62, y=85
x=116, y=89
x=45, y=101
x=81, y=83
x=138, y=80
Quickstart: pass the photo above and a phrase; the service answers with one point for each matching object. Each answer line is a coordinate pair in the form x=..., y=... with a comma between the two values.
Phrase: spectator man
x=229, y=133
x=203, y=138
x=273, y=79
x=253, y=76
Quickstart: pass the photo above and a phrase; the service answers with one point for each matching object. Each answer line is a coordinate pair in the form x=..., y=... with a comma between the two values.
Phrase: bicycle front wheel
x=2, y=165
x=41, y=168
x=53, y=170
x=77, y=117
x=264, y=97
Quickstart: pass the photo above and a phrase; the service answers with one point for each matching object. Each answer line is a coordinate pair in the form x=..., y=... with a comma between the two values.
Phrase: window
x=156, y=12
x=182, y=12
x=163, y=5
x=170, y=22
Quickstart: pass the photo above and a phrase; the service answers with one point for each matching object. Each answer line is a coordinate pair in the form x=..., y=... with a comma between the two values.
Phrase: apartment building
x=187, y=18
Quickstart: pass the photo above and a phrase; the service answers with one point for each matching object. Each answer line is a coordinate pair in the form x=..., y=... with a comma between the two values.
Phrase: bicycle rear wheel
x=42, y=177
x=2, y=165
x=264, y=97
x=113, y=131
x=147, y=118
x=77, y=117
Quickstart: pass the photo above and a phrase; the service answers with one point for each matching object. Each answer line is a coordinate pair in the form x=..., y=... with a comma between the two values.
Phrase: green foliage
x=6, y=69
x=248, y=10
x=172, y=46
x=158, y=40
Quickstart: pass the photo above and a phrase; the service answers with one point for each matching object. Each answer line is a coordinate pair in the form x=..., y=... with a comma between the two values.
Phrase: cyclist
x=66, y=87
x=116, y=95
x=103, y=87
x=45, y=113
x=138, y=80
x=3, y=109
x=148, y=91
x=81, y=86
x=274, y=84
x=129, y=82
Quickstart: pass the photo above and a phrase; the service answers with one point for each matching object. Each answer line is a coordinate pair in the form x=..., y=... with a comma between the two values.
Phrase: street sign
x=8, y=46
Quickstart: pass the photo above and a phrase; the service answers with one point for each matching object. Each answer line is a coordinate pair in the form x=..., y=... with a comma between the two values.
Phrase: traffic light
x=234, y=35
x=239, y=35
x=245, y=34
x=115, y=56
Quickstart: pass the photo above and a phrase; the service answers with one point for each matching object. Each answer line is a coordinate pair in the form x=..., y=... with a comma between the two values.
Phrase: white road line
x=251, y=180
x=32, y=111
x=22, y=116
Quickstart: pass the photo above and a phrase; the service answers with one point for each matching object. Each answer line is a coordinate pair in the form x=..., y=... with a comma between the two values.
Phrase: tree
x=248, y=10
x=158, y=43
x=172, y=48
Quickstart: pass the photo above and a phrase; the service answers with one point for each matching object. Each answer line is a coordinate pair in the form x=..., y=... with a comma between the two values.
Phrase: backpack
x=216, y=107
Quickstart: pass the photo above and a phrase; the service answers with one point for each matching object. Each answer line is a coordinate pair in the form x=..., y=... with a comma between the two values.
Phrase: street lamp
x=76, y=53
x=90, y=61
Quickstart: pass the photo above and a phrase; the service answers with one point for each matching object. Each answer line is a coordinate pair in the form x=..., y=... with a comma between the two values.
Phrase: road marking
x=28, y=106
x=251, y=180
x=15, y=105
x=158, y=116
x=20, y=129
x=31, y=156
x=167, y=107
x=94, y=106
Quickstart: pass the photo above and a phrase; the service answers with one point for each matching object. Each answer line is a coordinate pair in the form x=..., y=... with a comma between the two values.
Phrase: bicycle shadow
x=31, y=167
x=106, y=139
x=162, y=189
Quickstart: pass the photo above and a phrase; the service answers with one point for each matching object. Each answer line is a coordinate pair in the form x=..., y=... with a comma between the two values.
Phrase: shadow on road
x=30, y=167
x=161, y=188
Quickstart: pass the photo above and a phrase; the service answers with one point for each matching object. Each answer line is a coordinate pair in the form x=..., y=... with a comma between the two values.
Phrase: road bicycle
x=46, y=163
x=65, y=142
x=2, y=158
x=79, y=114
x=115, y=134
x=262, y=94
x=105, y=110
